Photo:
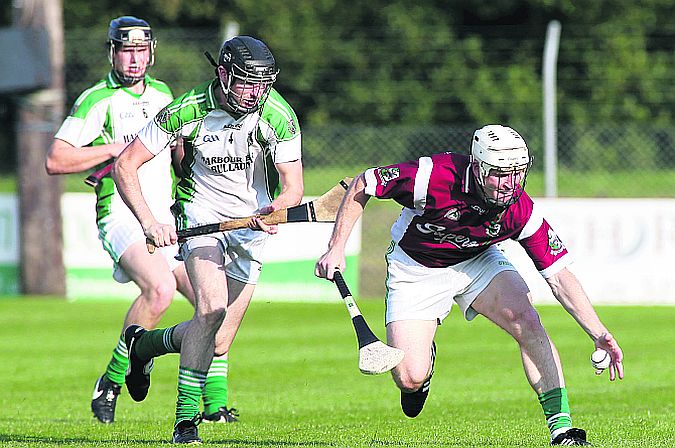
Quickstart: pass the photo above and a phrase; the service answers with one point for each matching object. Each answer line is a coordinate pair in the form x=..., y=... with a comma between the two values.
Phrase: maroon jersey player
x=443, y=250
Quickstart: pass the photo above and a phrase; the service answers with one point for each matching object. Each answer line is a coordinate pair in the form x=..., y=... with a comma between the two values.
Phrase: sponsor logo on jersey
x=479, y=209
x=226, y=164
x=452, y=214
x=388, y=174
x=210, y=138
x=232, y=126
x=554, y=243
x=439, y=235
x=125, y=115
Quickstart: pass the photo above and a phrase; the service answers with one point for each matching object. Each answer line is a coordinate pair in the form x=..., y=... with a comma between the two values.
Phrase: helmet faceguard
x=246, y=71
x=500, y=161
x=129, y=31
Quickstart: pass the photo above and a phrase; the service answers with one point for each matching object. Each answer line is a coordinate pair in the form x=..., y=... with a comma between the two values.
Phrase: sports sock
x=215, y=389
x=190, y=386
x=155, y=343
x=117, y=367
x=556, y=410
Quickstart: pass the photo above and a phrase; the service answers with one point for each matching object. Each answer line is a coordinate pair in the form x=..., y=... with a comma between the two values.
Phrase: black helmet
x=249, y=61
x=129, y=31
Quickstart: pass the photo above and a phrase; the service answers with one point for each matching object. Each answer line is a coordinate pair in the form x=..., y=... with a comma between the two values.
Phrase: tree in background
x=384, y=62
x=425, y=63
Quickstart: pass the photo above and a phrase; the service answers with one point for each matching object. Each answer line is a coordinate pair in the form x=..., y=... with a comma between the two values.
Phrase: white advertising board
x=289, y=257
x=622, y=248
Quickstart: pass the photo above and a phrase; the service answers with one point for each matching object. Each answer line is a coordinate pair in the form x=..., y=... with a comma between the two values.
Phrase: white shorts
x=416, y=292
x=242, y=251
x=119, y=231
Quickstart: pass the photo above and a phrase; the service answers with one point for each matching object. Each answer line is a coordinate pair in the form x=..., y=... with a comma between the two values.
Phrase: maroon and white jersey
x=444, y=222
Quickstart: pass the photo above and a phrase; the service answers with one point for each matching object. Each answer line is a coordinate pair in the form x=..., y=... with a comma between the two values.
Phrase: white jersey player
x=241, y=141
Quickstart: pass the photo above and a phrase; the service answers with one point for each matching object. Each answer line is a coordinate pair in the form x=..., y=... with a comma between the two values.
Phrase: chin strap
x=127, y=81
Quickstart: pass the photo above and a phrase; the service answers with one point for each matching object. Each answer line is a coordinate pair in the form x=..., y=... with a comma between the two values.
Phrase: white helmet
x=499, y=149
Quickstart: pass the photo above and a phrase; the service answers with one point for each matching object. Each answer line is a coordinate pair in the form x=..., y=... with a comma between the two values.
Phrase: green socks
x=193, y=385
x=155, y=343
x=215, y=389
x=117, y=367
x=190, y=385
x=556, y=410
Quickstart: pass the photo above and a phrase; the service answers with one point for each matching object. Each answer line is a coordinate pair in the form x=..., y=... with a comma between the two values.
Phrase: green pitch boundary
x=279, y=281
x=285, y=281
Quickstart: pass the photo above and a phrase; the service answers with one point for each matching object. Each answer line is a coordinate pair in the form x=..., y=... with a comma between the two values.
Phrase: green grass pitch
x=294, y=378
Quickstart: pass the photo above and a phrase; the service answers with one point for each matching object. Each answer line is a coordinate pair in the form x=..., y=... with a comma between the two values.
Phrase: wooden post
x=40, y=113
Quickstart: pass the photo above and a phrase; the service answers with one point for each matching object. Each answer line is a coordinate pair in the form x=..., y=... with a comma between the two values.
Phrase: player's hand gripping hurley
x=375, y=356
x=321, y=209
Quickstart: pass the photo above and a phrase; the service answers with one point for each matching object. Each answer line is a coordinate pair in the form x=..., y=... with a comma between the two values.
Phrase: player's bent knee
x=160, y=296
x=410, y=380
x=525, y=324
x=408, y=384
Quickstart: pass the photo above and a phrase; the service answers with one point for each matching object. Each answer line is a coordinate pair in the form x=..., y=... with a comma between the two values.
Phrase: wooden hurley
x=321, y=209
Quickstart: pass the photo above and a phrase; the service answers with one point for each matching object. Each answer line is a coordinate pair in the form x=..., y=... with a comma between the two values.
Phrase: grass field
x=295, y=380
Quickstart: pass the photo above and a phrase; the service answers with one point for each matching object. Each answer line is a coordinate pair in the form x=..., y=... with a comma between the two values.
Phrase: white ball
x=600, y=359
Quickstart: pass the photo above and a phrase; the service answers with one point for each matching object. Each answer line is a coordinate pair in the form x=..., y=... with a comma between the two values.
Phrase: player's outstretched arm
x=569, y=292
x=64, y=158
x=351, y=209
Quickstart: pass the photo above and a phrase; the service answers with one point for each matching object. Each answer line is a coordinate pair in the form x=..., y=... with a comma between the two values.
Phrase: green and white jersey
x=229, y=164
x=110, y=113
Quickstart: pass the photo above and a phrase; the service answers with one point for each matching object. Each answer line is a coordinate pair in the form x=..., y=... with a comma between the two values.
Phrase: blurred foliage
x=438, y=62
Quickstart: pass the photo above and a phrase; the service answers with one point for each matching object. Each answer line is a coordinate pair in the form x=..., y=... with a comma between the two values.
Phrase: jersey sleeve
x=543, y=245
x=285, y=139
x=395, y=182
x=86, y=122
x=158, y=134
